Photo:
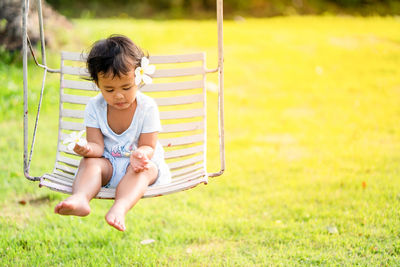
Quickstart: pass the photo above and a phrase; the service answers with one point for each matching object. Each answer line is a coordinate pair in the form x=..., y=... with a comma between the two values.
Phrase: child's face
x=118, y=92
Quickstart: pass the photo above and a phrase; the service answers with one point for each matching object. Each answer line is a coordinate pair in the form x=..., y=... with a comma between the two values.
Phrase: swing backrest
x=179, y=90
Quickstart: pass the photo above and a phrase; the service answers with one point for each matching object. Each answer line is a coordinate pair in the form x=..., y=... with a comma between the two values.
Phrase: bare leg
x=129, y=191
x=92, y=174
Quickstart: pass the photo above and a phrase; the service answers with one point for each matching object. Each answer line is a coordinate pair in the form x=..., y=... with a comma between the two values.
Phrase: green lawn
x=312, y=145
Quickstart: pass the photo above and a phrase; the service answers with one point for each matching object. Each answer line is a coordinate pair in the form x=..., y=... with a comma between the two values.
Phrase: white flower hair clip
x=75, y=138
x=142, y=73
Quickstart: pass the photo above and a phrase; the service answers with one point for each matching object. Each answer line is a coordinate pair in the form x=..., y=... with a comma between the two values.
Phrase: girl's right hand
x=139, y=161
x=82, y=150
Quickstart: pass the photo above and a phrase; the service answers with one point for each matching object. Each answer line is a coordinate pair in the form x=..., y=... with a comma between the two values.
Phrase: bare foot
x=73, y=205
x=116, y=218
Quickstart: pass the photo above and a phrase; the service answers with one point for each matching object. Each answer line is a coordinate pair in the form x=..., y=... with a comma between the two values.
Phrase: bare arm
x=147, y=143
x=95, y=145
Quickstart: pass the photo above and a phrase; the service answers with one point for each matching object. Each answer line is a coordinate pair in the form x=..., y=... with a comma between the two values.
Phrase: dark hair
x=115, y=55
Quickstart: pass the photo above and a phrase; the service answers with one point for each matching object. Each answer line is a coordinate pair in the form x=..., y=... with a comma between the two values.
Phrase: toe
x=120, y=226
x=115, y=222
x=58, y=207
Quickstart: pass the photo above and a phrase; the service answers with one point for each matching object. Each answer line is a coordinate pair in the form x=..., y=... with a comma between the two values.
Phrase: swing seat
x=179, y=90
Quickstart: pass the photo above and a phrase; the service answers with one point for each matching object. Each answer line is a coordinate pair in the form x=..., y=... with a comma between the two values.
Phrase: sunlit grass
x=312, y=142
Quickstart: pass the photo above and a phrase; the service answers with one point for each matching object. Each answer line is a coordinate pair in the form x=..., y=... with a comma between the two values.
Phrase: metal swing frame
x=185, y=181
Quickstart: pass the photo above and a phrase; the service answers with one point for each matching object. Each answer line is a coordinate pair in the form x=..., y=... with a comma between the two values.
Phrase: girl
x=118, y=120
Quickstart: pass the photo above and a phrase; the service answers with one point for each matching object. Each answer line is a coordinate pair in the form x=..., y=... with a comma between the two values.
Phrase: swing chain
x=27, y=42
x=36, y=61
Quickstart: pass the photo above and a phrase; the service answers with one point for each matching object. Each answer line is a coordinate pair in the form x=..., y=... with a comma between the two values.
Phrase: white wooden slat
x=75, y=99
x=176, y=114
x=172, y=165
x=190, y=169
x=55, y=186
x=64, y=174
x=66, y=181
x=57, y=179
x=189, y=176
x=185, y=140
x=182, y=127
x=82, y=85
x=73, y=126
x=109, y=193
x=175, y=184
x=163, y=73
x=168, y=155
x=106, y=193
x=176, y=58
x=63, y=148
x=179, y=100
x=181, y=114
x=167, y=128
x=186, y=162
x=73, y=113
x=61, y=178
x=63, y=135
x=75, y=163
x=65, y=168
x=159, y=87
x=54, y=181
x=75, y=56
x=195, y=181
x=174, y=187
x=164, y=101
x=166, y=73
x=64, y=177
x=157, y=59
x=183, y=152
x=83, y=72
x=69, y=161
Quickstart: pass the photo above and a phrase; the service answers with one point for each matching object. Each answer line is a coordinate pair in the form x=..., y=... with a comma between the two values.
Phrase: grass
x=312, y=145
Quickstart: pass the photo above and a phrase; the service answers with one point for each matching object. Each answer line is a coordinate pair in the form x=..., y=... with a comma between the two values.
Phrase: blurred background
x=205, y=8
x=312, y=110
x=55, y=11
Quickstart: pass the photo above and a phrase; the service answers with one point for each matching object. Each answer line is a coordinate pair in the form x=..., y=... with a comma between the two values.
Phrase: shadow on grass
x=40, y=201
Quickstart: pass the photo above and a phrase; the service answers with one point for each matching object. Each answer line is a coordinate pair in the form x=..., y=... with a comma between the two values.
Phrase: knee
x=152, y=167
x=91, y=163
x=150, y=174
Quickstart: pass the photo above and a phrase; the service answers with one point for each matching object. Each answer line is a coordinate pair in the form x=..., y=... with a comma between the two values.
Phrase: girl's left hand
x=139, y=161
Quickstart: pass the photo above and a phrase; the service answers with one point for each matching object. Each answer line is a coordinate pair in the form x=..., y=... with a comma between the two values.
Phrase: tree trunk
x=11, y=23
